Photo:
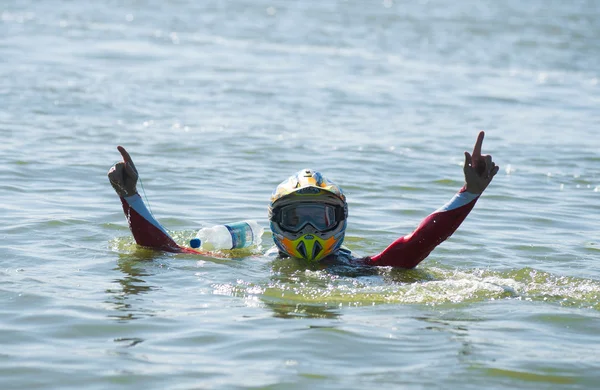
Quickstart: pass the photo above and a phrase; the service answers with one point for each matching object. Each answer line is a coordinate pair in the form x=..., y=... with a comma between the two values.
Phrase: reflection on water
x=531, y=377
x=299, y=310
x=128, y=342
x=457, y=328
x=132, y=284
x=487, y=349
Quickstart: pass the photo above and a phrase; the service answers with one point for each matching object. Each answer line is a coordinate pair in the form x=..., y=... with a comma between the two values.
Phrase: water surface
x=218, y=102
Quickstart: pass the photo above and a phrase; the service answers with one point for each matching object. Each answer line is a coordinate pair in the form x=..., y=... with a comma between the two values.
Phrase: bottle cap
x=195, y=243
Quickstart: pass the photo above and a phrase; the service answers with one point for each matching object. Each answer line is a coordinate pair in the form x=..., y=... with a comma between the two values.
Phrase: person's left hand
x=479, y=170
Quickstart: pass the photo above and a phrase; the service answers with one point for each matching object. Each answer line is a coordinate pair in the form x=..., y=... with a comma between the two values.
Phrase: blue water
x=218, y=102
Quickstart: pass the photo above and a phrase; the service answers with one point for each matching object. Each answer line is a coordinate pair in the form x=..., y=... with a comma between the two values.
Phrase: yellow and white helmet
x=308, y=216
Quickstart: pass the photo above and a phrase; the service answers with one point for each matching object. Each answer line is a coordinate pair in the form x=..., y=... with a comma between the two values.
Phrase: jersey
x=405, y=252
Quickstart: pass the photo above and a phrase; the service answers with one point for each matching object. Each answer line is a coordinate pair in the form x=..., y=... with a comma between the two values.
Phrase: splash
x=433, y=286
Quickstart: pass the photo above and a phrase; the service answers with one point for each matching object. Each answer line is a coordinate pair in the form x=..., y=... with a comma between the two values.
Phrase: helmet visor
x=295, y=217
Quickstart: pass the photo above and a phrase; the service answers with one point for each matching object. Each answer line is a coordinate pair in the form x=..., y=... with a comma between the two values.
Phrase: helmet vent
x=301, y=249
x=316, y=249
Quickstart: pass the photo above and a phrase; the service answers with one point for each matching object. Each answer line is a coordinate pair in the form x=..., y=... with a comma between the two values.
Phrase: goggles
x=294, y=217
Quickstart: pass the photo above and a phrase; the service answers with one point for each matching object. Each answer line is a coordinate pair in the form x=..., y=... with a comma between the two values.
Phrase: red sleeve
x=410, y=250
x=145, y=228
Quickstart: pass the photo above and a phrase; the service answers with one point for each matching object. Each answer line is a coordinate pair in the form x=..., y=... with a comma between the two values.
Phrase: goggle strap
x=339, y=214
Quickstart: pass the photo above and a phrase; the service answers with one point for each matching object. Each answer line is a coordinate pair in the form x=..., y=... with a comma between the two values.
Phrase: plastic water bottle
x=231, y=236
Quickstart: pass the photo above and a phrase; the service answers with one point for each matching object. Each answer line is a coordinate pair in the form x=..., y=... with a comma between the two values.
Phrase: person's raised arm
x=410, y=250
x=145, y=228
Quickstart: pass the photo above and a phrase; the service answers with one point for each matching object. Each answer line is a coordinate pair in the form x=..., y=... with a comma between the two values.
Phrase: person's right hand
x=123, y=175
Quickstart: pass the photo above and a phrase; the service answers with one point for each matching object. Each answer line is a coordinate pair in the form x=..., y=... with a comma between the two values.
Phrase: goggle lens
x=295, y=216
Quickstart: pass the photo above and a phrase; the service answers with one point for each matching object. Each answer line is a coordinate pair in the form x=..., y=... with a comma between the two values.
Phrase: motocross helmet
x=308, y=214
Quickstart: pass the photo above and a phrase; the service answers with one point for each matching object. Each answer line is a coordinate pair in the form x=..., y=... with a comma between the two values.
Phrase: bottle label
x=241, y=235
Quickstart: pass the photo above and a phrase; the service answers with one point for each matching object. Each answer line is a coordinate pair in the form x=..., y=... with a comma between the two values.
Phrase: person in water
x=308, y=215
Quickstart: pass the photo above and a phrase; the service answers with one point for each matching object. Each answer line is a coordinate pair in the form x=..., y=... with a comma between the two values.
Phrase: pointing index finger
x=126, y=157
x=478, y=144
